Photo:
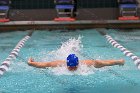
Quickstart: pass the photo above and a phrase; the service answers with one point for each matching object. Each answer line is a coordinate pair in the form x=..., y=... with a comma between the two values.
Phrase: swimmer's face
x=72, y=68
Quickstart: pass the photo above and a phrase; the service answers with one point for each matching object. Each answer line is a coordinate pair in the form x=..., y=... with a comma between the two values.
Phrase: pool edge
x=57, y=25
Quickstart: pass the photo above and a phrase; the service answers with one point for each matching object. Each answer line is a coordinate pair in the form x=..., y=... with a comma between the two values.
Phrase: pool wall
x=50, y=14
x=25, y=19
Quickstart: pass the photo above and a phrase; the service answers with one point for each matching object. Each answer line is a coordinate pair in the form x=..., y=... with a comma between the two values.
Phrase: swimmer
x=72, y=63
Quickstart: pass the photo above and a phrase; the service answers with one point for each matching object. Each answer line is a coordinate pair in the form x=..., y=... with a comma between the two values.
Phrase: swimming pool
x=87, y=44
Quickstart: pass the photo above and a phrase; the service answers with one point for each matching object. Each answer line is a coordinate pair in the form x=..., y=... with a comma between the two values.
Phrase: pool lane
x=22, y=79
x=14, y=53
x=124, y=50
x=130, y=40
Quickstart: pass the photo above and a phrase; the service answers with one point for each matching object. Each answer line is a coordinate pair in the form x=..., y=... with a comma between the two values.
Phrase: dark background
x=49, y=4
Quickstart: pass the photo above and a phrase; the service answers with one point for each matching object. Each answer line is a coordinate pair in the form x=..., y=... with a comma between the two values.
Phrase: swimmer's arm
x=88, y=62
x=95, y=63
x=45, y=64
x=102, y=63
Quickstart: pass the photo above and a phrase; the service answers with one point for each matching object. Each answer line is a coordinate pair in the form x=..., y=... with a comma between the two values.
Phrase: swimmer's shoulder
x=88, y=62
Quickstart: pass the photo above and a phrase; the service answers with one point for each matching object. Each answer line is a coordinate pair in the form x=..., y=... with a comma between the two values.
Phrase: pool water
x=53, y=45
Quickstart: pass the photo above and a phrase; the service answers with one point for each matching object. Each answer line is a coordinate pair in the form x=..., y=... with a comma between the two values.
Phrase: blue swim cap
x=72, y=60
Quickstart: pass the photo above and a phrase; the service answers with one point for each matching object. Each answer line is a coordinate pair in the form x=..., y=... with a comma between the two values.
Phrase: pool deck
x=78, y=24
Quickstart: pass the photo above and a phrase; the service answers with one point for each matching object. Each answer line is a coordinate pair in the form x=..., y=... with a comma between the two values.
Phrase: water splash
x=72, y=45
x=82, y=70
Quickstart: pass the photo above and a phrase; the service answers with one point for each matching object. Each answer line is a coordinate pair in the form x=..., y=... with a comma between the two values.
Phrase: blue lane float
x=126, y=52
x=14, y=53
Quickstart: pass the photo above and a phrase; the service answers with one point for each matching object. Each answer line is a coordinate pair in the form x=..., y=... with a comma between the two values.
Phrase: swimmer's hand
x=121, y=62
x=30, y=60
